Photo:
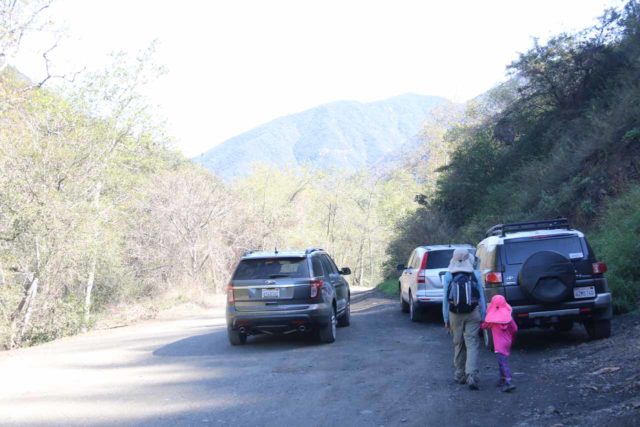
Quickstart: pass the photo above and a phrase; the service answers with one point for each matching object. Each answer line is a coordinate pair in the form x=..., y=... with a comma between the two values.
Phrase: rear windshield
x=271, y=268
x=518, y=250
x=441, y=258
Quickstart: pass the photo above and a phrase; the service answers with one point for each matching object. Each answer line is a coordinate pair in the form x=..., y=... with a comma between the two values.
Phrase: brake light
x=230, y=299
x=493, y=278
x=316, y=285
x=423, y=265
x=599, y=267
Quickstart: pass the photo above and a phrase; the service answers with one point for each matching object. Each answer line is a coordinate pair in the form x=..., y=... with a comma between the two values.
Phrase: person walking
x=463, y=309
x=503, y=329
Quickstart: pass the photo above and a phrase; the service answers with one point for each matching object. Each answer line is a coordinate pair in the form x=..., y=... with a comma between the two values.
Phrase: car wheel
x=598, y=328
x=235, y=337
x=414, y=311
x=345, y=319
x=563, y=326
x=403, y=304
x=487, y=338
x=327, y=333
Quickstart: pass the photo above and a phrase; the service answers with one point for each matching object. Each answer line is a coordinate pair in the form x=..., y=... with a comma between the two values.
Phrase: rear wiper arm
x=273, y=276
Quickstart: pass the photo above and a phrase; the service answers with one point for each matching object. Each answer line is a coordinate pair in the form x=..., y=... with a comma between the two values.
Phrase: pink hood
x=498, y=311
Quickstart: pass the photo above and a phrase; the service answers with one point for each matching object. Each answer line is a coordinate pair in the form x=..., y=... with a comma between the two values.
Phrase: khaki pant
x=465, y=328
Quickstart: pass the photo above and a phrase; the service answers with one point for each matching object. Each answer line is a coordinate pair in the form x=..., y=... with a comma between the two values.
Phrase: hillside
x=345, y=134
x=562, y=138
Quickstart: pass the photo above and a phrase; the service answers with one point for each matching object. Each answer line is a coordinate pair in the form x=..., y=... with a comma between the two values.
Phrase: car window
x=326, y=265
x=316, y=264
x=518, y=250
x=411, y=258
x=487, y=257
x=333, y=265
x=439, y=259
x=269, y=268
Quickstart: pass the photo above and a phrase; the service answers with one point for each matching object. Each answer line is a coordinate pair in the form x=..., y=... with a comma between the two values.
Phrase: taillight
x=316, y=285
x=493, y=278
x=230, y=299
x=599, y=267
x=423, y=265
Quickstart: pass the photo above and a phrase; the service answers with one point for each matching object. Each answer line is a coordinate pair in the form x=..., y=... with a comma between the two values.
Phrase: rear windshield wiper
x=273, y=276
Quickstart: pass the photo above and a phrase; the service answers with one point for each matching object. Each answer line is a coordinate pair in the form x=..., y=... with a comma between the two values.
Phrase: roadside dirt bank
x=600, y=378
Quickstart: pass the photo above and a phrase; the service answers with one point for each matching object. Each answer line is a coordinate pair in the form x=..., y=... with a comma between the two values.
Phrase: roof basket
x=310, y=250
x=551, y=224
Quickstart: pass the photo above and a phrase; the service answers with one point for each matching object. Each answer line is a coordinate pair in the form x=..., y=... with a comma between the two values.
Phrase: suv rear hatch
x=271, y=284
x=573, y=247
x=436, y=267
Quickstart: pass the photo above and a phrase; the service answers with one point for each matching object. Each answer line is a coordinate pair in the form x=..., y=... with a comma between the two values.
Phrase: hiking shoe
x=501, y=382
x=460, y=380
x=508, y=387
x=473, y=383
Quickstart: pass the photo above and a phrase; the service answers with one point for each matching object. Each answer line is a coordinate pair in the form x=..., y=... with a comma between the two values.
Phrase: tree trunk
x=88, y=291
x=27, y=303
x=94, y=261
x=25, y=306
x=33, y=290
x=2, y=279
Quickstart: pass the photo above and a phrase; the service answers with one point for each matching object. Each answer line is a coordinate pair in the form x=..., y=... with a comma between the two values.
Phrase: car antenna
x=276, y=250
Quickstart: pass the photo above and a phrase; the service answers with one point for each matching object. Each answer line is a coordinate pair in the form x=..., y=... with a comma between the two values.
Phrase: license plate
x=271, y=293
x=584, y=292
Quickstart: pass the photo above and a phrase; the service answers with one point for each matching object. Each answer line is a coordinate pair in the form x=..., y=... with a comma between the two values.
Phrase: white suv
x=420, y=281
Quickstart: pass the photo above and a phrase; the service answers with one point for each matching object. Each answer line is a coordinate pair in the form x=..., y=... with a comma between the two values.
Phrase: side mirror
x=345, y=271
x=400, y=267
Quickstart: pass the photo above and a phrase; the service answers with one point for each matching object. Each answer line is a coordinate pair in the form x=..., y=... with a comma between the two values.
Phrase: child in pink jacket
x=503, y=328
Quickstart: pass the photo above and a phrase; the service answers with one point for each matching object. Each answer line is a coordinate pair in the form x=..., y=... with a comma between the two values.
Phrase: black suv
x=549, y=275
x=286, y=292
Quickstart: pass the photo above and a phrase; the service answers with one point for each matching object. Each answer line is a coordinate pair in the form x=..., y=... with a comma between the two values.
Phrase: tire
x=487, y=338
x=345, y=319
x=327, y=333
x=597, y=329
x=547, y=277
x=235, y=337
x=403, y=304
x=414, y=311
x=563, y=326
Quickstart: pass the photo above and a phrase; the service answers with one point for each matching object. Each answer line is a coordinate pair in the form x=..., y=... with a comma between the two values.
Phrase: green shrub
x=618, y=244
x=389, y=286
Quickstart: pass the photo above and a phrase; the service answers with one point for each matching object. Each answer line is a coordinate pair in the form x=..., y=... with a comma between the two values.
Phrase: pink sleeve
x=485, y=325
x=513, y=327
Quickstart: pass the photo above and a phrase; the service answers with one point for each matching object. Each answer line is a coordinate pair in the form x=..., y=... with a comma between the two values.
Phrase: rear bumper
x=599, y=307
x=429, y=298
x=281, y=321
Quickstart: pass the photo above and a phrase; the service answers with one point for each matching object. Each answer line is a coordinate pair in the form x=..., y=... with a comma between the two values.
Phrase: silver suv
x=420, y=281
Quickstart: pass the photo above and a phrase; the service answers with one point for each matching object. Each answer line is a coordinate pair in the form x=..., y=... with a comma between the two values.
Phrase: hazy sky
x=236, y=64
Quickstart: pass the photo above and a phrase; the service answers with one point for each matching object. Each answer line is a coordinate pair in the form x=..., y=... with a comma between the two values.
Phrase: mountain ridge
x=345, y=134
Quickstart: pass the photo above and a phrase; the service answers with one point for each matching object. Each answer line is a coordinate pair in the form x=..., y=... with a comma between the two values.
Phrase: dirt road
x=382, y=371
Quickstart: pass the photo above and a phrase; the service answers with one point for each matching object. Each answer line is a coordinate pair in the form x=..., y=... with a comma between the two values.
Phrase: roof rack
x=310, y=250
x=248, y=252
x=551, y=224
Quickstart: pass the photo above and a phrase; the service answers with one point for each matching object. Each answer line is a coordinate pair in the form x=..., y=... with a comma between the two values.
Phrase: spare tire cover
x=547, y=277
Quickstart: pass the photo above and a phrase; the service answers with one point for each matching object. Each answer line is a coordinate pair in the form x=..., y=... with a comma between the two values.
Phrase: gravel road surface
x=383, y=370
